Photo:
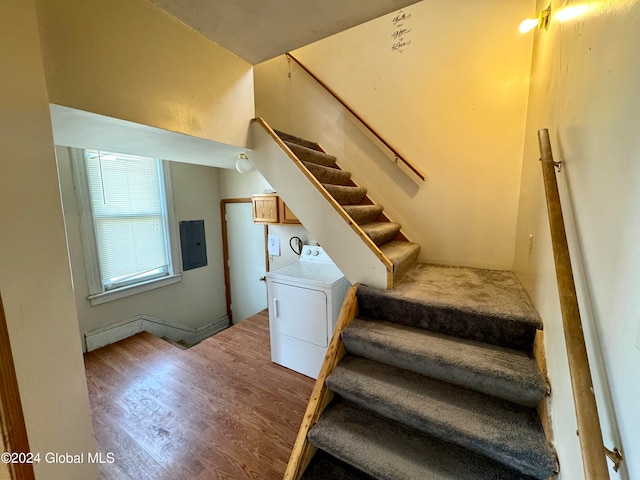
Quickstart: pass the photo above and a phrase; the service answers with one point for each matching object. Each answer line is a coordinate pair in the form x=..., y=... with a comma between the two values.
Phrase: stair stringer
x=353, y=252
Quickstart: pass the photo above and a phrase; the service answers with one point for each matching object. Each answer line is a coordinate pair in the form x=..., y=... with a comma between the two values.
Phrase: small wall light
x=541, y=21
x=243, y=164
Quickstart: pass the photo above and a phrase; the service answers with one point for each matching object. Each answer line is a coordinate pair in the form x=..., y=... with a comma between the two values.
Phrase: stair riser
x=403, y=255
x=381, y=237
x=364, y=215
x=385, y=451
x=325, y=467
x=345, y=196
x=312, y=156
x=442, y=433
x=473, y=326
x=331, y=176
x=518, y=392
x=297, y=140
x=509, y=434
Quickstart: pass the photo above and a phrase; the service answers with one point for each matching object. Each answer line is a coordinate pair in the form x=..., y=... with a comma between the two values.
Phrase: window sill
x=117, y=294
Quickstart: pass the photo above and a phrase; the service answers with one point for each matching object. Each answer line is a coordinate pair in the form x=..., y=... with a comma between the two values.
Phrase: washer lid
x=318, y=273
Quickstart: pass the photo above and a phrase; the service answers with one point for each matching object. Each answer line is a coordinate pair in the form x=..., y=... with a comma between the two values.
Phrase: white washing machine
x=305, y=299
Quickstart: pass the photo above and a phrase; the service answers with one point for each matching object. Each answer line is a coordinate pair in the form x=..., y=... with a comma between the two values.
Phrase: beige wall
x=196, y=301
x=129, y=60
x=584, y=89
x=35, y=279
x=453, y=102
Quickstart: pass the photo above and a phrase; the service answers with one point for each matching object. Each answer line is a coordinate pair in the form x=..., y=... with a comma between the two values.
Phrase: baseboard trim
x=145, y=323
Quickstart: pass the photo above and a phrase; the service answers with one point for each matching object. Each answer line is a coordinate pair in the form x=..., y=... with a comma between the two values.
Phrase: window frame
x=98, y=294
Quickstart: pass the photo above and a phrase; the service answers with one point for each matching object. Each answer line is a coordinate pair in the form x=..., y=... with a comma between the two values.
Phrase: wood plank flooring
x=219, y=410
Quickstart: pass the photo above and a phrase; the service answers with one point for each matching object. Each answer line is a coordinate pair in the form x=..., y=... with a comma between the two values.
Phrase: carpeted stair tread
x=390, y=451
x=508, y=433
x=362, y=214
x=333, y=176
x=498, y=371
x=287, y=137
x=346, y=195
x=403, y=255
x=381, y=232
x=485, y=305
x=326, y=467
x=312, y=156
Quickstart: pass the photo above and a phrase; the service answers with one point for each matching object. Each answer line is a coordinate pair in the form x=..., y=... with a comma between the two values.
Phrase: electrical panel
x=193, y=245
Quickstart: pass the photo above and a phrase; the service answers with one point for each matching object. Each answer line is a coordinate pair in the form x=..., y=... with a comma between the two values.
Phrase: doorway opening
x=246, y=259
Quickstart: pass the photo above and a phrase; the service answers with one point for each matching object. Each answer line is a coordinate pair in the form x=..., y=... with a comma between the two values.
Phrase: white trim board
x=144, y=323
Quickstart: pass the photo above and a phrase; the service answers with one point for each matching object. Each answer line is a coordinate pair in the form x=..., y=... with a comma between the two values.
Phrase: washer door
x=300, y=313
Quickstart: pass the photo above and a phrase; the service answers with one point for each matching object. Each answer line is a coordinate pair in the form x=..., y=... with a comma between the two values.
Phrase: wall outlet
x=638, y=338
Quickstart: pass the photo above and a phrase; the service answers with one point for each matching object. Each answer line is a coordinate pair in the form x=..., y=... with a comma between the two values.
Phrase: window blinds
x=127, y=196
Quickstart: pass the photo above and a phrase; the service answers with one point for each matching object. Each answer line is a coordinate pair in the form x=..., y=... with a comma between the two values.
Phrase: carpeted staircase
x=438, y=383
x=385, y=234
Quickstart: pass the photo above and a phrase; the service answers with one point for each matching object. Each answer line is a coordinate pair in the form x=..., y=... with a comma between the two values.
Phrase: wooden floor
x=219, y=410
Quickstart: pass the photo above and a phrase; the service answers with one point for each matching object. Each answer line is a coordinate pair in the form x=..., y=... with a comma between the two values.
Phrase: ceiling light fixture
x=243, y=164
x=541, y=21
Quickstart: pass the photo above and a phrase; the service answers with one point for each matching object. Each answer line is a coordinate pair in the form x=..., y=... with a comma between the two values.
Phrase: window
x=127, y=226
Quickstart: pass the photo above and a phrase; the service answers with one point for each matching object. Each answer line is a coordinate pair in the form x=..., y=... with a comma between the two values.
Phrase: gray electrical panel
x=193, y=245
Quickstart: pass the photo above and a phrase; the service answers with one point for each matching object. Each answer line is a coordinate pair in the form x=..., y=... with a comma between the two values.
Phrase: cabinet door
x=286, y=215
x=265, y=208
x=299, y=312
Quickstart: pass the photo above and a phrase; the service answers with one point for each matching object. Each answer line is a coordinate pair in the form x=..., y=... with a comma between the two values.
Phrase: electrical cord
x=298, y=248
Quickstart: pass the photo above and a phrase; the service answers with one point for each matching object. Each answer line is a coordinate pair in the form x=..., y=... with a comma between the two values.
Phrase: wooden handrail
x=589, y=431
x=409, y=165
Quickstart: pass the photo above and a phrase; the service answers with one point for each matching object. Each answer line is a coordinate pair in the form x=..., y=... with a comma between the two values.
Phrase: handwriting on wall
x=401, y=30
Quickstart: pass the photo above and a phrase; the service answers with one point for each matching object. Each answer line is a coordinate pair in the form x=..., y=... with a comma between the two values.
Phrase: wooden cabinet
x=270, y=209
x=286, y=215
x=265, y=208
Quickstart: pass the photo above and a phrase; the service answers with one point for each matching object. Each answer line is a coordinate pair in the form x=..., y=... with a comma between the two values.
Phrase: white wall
x=287, y=255
x=453, y=102
x=242, y=185
x=584, y=89
x=35, y=279
x=196, y=301
x=128, y=59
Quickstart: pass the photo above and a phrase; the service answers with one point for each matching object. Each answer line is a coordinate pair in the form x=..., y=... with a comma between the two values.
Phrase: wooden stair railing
x=398, y=157
x=594, y=453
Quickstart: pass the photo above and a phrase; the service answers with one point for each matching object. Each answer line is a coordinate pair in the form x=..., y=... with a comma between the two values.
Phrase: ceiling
x=257, y=30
